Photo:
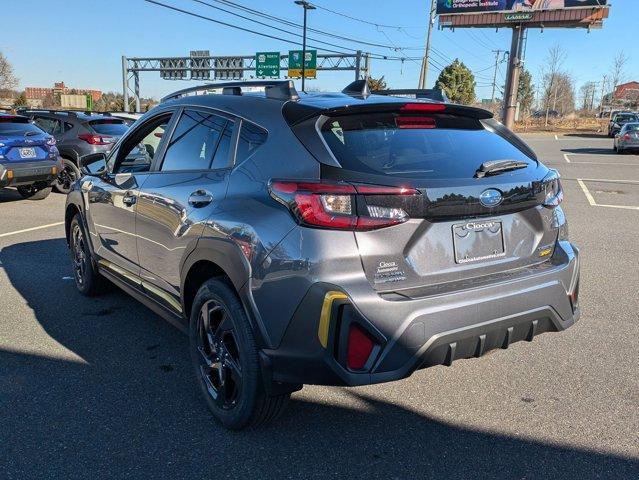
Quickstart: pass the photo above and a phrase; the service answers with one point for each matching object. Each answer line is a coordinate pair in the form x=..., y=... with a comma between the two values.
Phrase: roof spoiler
x=274, y=89
x=435, y=94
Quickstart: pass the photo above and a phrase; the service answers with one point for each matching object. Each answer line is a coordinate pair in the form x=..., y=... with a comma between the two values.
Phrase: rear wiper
x=494, y=167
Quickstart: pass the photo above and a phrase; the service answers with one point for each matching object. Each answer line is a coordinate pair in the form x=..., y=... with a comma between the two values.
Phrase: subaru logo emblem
x=490, y=197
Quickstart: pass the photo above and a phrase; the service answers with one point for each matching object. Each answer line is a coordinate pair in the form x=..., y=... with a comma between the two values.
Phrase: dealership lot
x=103, y=387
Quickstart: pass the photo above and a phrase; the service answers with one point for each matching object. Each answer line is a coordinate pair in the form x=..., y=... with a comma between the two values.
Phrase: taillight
x=415, y=122
x=359, y=348
x=96, y=139
x=553, y=191
x=341, y=206
x=626, y=136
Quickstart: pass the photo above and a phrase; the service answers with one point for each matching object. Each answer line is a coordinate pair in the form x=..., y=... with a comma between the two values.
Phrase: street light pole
x=306, y=6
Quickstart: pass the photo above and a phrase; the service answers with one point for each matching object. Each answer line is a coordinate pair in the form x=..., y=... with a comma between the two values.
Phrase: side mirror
x=93, y=164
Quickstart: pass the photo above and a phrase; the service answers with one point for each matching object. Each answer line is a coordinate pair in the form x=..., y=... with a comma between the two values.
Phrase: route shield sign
x=267, y=64
x=295, y=64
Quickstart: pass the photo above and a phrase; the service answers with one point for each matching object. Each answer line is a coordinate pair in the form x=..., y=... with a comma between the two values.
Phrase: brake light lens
x=340, y=206
x=422, y=107
x=360, y=347
x=96, y=139
x=553, y=191
x=626, y=136
x=415, y=122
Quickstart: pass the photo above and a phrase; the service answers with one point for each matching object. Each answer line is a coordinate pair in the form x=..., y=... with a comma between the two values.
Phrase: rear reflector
x=360, y=347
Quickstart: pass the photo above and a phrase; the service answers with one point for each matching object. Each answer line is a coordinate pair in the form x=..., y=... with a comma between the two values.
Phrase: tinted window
x=21, y=128
x=49, y=125
x=251, y=137
x=632, y=127
x=221, y=158
x=424, y=146
x=194, y=141
x=625, y=118
x=108, y=127
x=136, y=153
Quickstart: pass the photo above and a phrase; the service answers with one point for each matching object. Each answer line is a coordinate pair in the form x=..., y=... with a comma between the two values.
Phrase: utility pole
x=512, y=78
x=603, y=89
x=307, y=6
x=497, y=53
x=423, y=73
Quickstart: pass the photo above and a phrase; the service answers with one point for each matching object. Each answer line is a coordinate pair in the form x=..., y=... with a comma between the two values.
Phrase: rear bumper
x=27, y=173
x=419, y=333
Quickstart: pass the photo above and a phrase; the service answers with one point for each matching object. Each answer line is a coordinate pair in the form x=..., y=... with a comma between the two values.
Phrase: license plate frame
x=27, y=152
x=479, y=240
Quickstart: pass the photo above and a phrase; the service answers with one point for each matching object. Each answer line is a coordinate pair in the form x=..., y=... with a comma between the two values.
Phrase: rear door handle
x=129, y=199
x=200, y=198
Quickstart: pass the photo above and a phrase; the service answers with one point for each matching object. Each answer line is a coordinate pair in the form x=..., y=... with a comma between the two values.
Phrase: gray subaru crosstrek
x=334, y=239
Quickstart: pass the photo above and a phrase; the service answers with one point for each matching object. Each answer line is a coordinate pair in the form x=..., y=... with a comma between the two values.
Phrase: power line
x=376, y=56
x=361, y=20
x=262, y=14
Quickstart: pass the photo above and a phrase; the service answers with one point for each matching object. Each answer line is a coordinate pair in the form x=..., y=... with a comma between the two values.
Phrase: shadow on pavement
x=122, y=403
x=586, y=135
x=590, y=151
x=9, y=195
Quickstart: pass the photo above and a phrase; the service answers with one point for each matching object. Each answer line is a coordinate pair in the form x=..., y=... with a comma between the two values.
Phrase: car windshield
x=109, y=126
x=625, y=118
x=433, y=146
x=21, y=128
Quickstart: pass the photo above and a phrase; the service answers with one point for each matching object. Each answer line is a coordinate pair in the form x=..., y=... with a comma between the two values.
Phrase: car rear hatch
x=21, y=141
x=444, y=197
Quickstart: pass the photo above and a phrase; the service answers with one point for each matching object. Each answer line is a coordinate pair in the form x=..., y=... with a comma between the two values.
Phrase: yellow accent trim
x=545, y=252
x=325, y=315
x=138, y=280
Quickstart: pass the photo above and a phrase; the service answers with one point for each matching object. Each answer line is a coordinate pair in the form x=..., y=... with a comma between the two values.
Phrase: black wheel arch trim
x=228, y=256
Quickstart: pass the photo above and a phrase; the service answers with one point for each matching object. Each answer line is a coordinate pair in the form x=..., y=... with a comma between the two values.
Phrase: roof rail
x=435, y=94
x=71, y=113
x=358, y=88
x=275, y=89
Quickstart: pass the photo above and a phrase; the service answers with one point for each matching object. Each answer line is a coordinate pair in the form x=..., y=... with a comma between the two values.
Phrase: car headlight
x=615, y=125
x=553, y=192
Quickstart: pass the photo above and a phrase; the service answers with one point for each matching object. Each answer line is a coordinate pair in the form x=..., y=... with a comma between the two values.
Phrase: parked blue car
x=29, y=158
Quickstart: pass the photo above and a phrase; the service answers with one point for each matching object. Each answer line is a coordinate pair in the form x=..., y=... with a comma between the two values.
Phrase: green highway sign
x=267, y=64
x=295, y=64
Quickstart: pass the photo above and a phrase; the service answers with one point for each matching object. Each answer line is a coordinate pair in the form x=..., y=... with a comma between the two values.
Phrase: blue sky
x=82, y=41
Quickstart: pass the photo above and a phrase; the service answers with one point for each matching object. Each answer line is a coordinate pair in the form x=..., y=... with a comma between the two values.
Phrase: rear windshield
x=632, y=127
x=432, y=146
x=625, y=118
x=11, y=128
x=108, y=127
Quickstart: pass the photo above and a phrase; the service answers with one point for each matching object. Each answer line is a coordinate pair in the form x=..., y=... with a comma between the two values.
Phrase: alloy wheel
x=219, y=355
x=79, y=255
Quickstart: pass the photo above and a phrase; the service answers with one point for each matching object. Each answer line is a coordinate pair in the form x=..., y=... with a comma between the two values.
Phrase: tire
x=31, y=192
x=88, y=280
x=69, y=174
x=225, y=360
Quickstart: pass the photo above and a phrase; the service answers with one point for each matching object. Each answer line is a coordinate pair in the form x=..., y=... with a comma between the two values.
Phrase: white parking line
x=591, y=199
x=568, y=155
x=32, y=229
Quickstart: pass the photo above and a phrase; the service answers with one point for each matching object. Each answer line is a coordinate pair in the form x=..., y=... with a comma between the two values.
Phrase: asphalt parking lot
x=102, y=388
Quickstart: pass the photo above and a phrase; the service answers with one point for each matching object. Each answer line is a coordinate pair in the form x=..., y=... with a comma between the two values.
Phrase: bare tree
x=553, y=64
x=618, y=69
x=587, y=96
x=7, y=78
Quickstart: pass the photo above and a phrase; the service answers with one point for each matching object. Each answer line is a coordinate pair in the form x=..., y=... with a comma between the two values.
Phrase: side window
x=136, y=154
x=197, y=138
x=251, y=137
x=49, y=125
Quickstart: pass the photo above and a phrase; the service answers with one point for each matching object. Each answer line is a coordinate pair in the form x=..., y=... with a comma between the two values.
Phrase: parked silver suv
x=336, y=239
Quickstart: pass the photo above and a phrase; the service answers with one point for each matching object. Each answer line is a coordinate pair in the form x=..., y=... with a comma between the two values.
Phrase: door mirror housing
x=93, y=164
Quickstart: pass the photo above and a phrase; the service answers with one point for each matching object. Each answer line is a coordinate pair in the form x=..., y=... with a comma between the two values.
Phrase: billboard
x=445, y=7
